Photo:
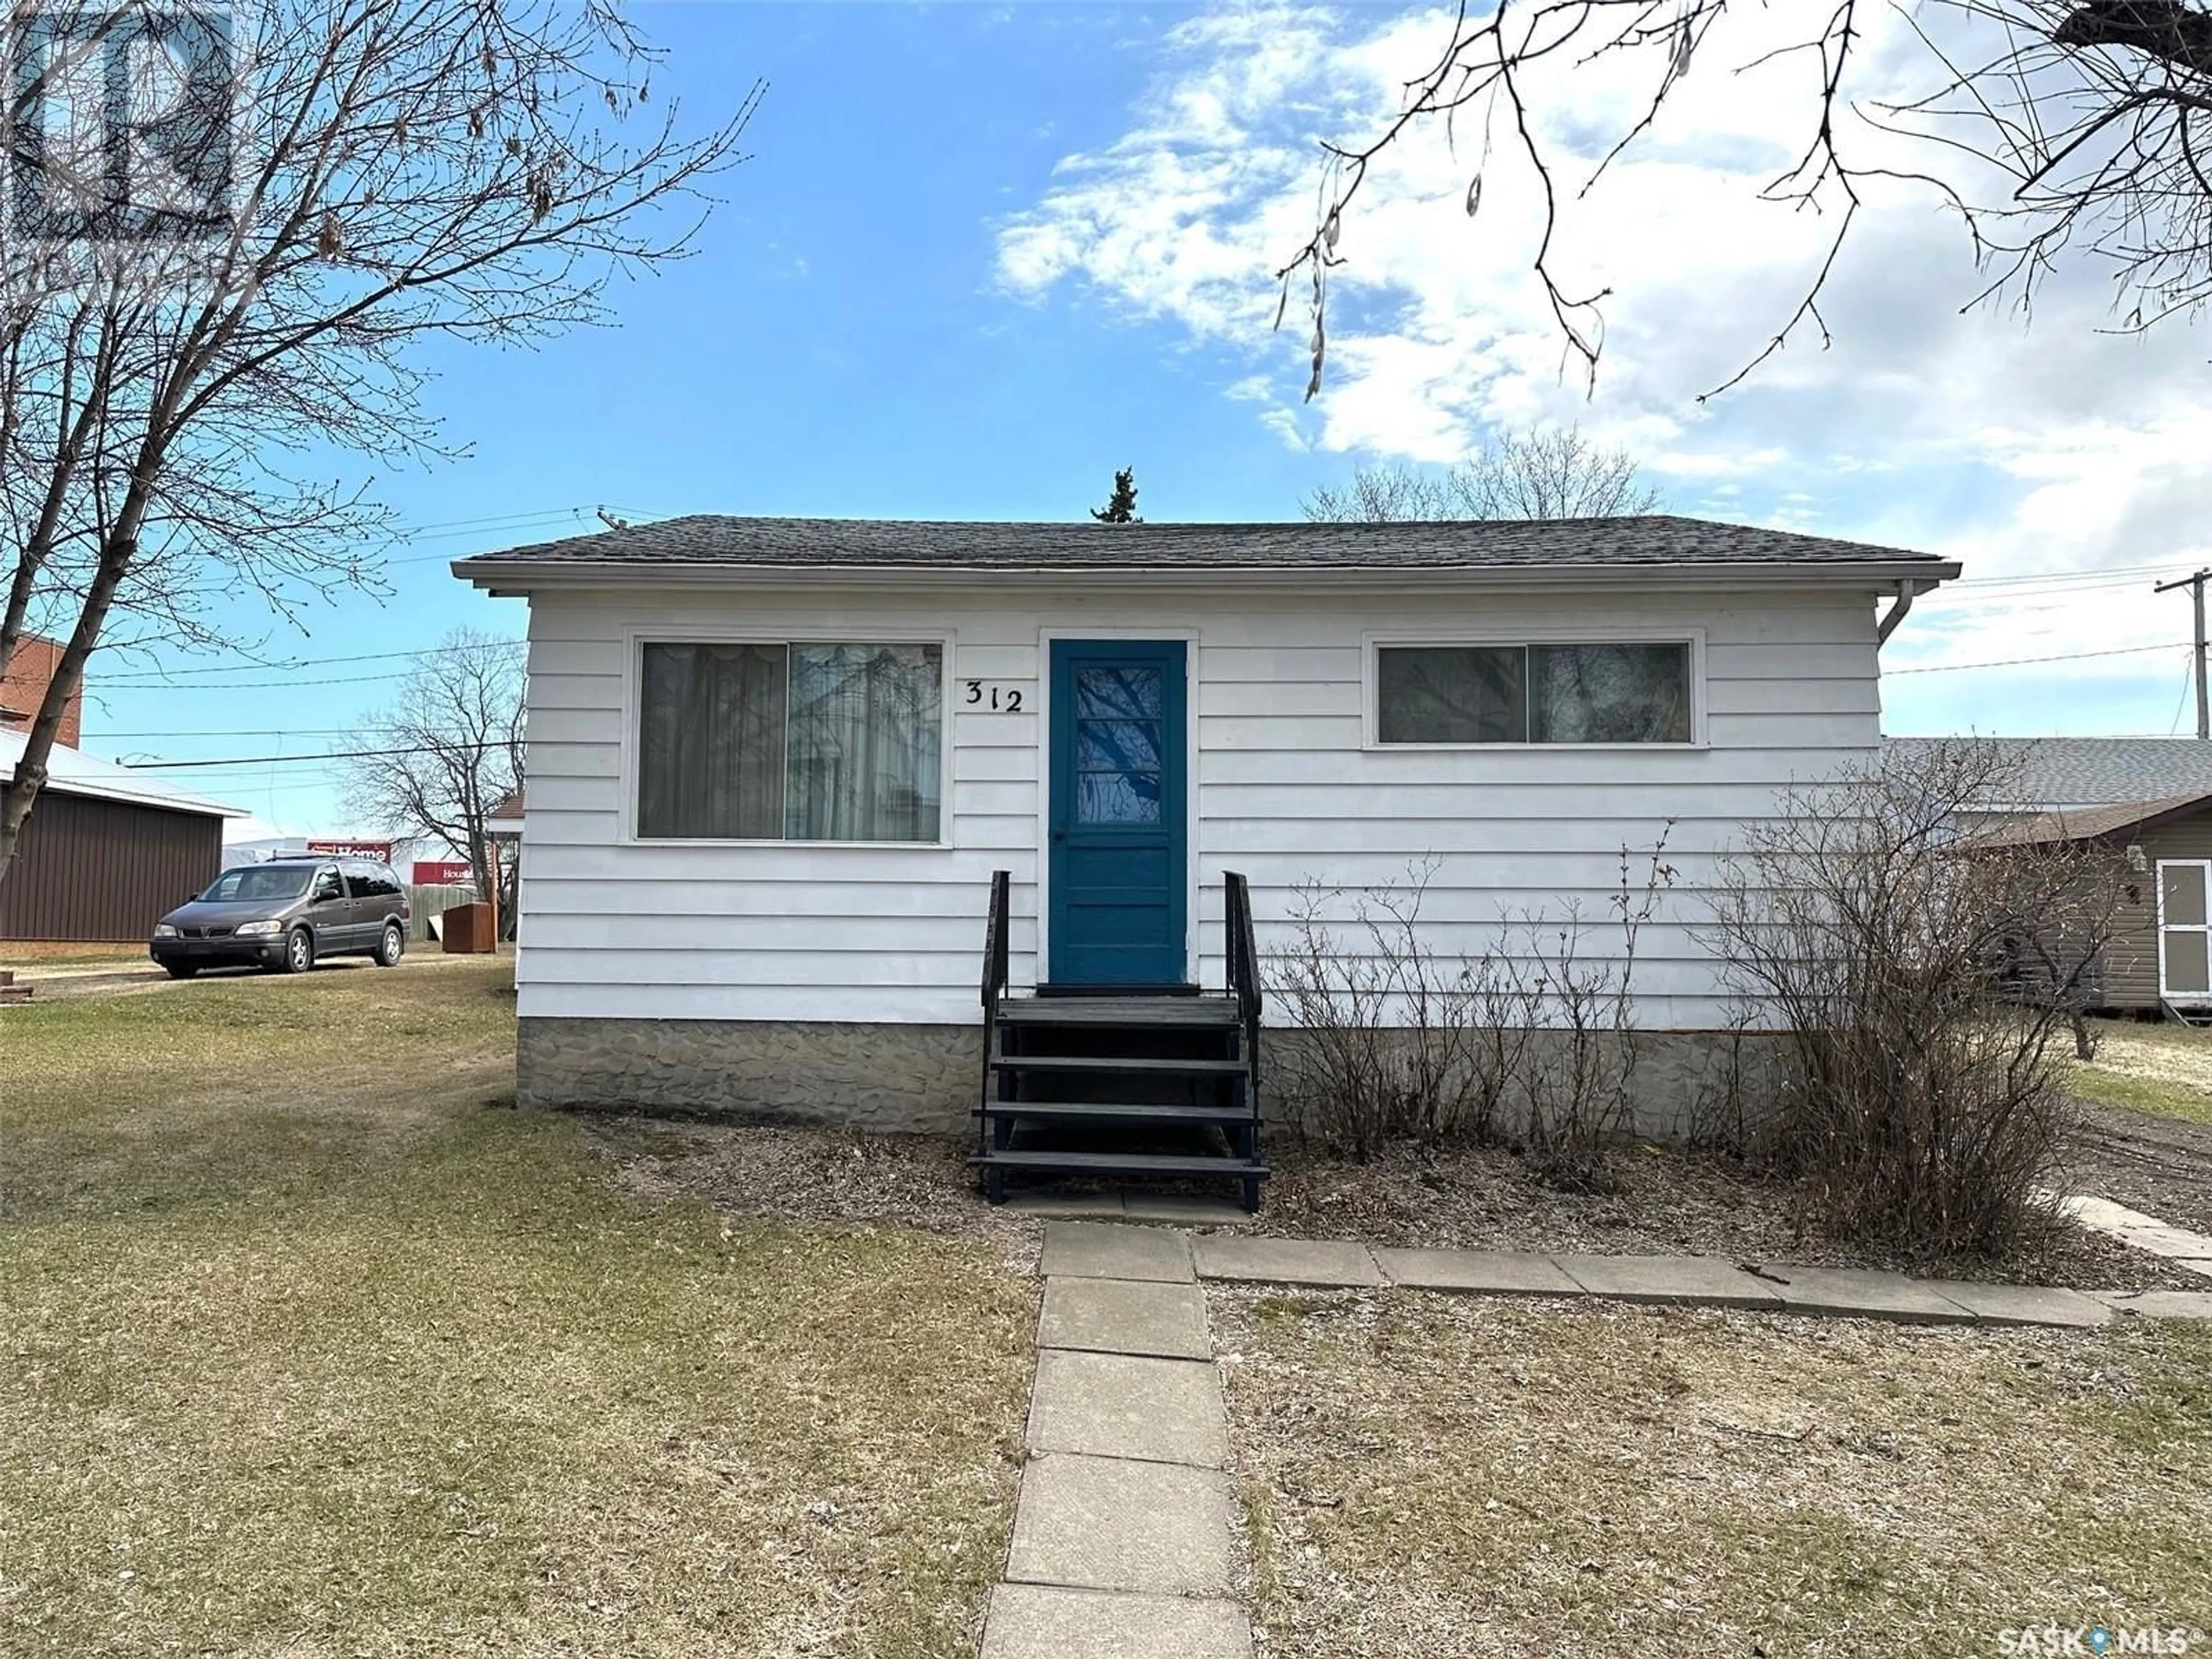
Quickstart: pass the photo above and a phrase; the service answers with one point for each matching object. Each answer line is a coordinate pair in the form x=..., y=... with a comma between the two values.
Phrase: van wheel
x=181, y=970
x=389, y=947
x=299, y=951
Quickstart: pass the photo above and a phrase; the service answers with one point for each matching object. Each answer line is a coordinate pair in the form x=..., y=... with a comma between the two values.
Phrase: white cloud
x=2055, y=448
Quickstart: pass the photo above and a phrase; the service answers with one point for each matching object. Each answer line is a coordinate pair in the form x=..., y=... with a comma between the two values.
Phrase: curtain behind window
x=711, y=741
x=866, y=735
x=1451, y=694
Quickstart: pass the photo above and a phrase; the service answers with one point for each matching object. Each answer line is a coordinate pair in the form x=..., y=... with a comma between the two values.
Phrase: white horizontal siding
x=1283, y=789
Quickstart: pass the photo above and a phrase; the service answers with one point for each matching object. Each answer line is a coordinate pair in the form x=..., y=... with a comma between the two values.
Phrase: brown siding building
x=2161, y=951
x=106, y=852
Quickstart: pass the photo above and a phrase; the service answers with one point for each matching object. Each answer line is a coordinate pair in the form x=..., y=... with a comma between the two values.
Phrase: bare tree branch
x=345, y=180
x=1542, y=473
x=2090, y=114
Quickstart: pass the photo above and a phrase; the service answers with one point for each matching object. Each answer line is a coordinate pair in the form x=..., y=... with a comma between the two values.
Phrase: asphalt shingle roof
x=2091, y=822
x=718, y=539
x=2066, y=774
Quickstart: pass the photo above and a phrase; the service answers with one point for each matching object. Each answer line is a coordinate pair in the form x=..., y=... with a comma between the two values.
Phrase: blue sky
x=983, y=255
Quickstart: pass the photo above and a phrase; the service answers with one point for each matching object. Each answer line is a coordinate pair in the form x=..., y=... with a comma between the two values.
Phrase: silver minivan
x=286, y=915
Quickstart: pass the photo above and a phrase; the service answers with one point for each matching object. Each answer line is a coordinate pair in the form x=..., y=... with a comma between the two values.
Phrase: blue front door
x=1117, y=872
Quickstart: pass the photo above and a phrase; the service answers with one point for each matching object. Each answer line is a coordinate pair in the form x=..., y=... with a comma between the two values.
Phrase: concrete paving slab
x=1111, y=1523
x=1285, y=1261
x=1125, y=1315
x=1184, y=1210
x=1495, y=1273
x=1047, y=1621
x=1067, y=1204
x=2176, y=1243
x=2104, y=1215
x=1115, y=1405
x=1095, y=1249
x=1856, y=1293
x=1702, y=1279
x=2160, y=1305
x=2024, y=1304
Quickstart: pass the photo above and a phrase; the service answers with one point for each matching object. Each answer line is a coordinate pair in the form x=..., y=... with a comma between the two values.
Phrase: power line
x=2015, y=662
x=130, y=676
x=336, y=755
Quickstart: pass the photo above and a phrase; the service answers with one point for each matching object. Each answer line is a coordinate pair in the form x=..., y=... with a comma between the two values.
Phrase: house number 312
x=1002, y=699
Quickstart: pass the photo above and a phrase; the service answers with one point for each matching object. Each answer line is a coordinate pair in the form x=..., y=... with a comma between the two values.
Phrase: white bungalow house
x=774, y=764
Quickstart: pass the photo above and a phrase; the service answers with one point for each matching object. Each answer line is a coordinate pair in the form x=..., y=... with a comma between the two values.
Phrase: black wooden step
x=1120, y=1013
x=1109, y=1063
x=1077, y=1110
x=1123, y=1164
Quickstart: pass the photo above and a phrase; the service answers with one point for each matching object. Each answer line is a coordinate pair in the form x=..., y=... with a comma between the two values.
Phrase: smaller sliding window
x=798, y=742
x=1598, y=692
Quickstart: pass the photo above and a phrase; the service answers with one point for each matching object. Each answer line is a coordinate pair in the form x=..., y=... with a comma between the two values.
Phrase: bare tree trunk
x=20, y=790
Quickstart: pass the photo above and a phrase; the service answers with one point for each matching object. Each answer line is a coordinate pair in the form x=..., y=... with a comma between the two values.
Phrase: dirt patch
x=1440, y=1476
x=2150, y=1162
x=1670, y=1203
x=815, y=1177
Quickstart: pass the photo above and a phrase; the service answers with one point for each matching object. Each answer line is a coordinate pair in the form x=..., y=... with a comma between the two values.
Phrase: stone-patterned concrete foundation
x=925, y=1078
x=899, y=1079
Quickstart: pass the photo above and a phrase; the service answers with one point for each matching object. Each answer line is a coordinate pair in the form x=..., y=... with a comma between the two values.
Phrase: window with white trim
x=2184, y=928
x=790, y=742
x=1626, y=692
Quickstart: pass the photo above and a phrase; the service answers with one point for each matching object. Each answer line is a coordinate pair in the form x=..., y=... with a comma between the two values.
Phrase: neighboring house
x=106, y=852
x=2159, y=956
x=31, y=667
x=774, y=764
x=2150, y=801
x=505, y=818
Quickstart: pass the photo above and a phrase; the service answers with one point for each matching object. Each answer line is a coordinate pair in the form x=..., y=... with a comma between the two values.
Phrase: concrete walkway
x=1124, y=1540
x=1125, y=1532
x=1685, y=1280
x=2183, y=1249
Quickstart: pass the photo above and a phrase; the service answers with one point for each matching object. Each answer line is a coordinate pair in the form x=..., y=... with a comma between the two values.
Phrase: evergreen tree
x=1121, y=505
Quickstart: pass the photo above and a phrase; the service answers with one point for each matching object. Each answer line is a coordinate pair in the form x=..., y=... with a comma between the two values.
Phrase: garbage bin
x=468, y=930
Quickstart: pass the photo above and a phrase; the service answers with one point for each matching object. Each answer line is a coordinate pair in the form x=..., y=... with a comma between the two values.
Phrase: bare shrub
x=1580, y=1100
x=1916, y=971
x=1401, y=1042
x=1391, y=1049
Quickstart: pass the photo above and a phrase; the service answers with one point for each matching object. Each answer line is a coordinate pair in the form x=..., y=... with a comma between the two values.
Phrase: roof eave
x=516, y=578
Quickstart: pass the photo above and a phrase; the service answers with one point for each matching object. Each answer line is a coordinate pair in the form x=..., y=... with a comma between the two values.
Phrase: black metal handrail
x=1241, y=957
x=995, y=928
x=995, y=944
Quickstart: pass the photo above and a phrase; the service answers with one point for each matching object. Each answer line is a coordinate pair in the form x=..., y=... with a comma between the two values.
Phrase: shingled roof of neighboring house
x=2069, y=774
x=2090, y=822
x=711, y=540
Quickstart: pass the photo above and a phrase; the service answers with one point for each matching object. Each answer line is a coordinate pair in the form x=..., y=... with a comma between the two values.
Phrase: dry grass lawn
x=1441, y=1477
x=311, y=1346
x=2165, y=1069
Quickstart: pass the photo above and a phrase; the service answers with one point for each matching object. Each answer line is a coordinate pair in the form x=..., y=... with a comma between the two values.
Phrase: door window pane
x=866, y=760
x=2187, y=970
x=1118, y=694
x=1451, y=694
x=1117, y=798
x=1609, y=693
x=2181, y=887
x=1117, y=745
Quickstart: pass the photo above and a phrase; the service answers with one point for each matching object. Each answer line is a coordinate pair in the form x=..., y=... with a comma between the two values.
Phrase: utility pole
x=2196, y=584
